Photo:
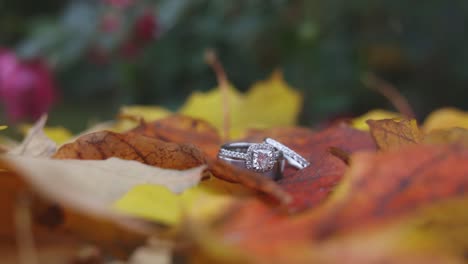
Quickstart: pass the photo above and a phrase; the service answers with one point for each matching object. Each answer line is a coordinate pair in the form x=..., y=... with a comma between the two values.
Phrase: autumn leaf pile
x=148, y=188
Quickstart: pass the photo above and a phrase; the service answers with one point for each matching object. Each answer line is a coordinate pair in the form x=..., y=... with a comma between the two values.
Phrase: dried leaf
x=379, y=191
x=255, y=181
x=252, y=110
x=446, y=118
x=183, y=130
x=377, y=114
x=208, y=106
x=36, y=143
x=450, y=136
x=151, y=151
x=106, y=144
x=383, y=186
x=252, y=219
x=267, y=97
x=393, y=133
x=89, y=187
x=78, y=219
x=158, y=204
x=311, y=185
x=102, y=181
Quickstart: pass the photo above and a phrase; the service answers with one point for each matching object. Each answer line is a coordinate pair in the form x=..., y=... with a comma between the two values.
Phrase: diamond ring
x=261, y=157
x=267, y=157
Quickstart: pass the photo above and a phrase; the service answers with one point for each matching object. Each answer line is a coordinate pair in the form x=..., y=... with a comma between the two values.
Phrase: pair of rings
x=268, y=157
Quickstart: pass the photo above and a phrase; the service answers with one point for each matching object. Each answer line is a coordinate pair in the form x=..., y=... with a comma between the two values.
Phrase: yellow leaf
x=208, y=106
x=157, y=203
x=3, y=127
x=269, y=103
x=447, y=136
x=446, y=118
x=377, y=114
x=58, y=134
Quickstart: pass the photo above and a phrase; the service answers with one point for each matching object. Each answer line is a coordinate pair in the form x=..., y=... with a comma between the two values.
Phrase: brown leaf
x=117, y=234
x=183, y=130
x=151, y=151
x=105, y=144
x=227, y=172
x=393, y=133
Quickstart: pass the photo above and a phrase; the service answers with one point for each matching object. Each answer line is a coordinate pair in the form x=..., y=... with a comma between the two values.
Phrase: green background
x=323, y=46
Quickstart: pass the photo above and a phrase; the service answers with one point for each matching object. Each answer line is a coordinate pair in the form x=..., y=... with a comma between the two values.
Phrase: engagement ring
x=261, y=157
x=267, y=157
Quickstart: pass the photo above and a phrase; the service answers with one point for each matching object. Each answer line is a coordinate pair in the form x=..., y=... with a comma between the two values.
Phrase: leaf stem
x=223, y=84
x=390, y=92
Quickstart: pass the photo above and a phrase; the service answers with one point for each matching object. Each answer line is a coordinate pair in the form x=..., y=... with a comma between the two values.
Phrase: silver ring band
x=275, y=173
x=294, y=159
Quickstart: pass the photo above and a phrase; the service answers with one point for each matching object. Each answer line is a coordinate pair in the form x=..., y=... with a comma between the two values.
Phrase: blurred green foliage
x=323, y=47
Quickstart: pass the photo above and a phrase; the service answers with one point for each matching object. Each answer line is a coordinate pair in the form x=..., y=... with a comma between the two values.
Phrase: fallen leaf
x=447, y=136
x=252, y=110
x=311, y=185
x=103, y=180
x=379, y=190
x=208, y=106
x=36, y=143
x=446, y=118
x=151, y=151
x=383, y=186
x=258, y=104
x=394, y=133
x=155, y=152
x=52, y=215
x=183, y=130
x=308, y=187
x=158, y=204
x=377, y=114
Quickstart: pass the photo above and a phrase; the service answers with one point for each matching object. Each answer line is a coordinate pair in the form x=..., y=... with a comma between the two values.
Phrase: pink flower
x=145, y=30
x=146, y=27
x=27, y=88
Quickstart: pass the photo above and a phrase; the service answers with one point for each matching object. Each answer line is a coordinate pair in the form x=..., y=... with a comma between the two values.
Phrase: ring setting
x=261, y=157
x=268, y=157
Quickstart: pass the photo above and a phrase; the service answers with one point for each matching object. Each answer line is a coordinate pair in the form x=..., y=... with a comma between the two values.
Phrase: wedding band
x=293, y=158
x=260, y=157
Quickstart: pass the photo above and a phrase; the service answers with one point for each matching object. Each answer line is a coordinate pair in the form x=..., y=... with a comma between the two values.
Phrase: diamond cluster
x=262, y=157
x=233, y=154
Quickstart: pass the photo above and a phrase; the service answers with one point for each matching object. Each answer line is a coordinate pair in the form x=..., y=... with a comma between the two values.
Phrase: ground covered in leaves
x=148, y=188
